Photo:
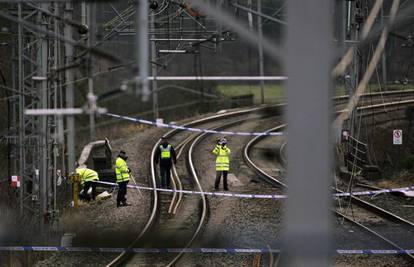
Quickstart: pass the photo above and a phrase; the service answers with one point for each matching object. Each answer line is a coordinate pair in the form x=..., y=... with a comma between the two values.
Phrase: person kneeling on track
x=88, y=178
x=122, y=178
x=222, y=153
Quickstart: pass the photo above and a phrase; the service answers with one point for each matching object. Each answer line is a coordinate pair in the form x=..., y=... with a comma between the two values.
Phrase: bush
x=407, y=162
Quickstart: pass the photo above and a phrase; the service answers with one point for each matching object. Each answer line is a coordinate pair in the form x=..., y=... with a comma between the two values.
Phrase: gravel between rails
x=369, y=260
x=349, y=236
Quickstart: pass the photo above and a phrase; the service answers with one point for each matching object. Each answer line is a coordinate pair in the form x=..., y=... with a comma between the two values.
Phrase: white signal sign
x=15, y=181
x=397, y=137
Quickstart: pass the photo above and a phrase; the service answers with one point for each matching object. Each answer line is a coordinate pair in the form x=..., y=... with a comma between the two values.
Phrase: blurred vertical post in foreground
x=309, y=57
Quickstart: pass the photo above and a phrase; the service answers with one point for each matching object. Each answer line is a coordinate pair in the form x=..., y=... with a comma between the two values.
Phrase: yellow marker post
x=75, y=180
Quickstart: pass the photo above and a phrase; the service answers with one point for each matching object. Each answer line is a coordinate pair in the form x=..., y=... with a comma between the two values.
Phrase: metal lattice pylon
x=34, y=56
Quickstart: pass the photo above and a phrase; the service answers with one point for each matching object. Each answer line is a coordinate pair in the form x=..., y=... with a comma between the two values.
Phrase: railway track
x=177, y=199
x=168, y=224
x=378, y=97
x=396, y=202
x=393, y=230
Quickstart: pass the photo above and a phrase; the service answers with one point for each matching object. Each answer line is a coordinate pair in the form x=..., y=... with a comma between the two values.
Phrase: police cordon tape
x=260, y=196
x=190, y=250
x=173, y=126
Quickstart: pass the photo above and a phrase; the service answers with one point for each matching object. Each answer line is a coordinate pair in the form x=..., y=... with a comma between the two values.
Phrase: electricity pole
x=261, y=62
x=154, y=67
x=384, y=57
x=69, y=92
x=92, y=32
x=141, y=48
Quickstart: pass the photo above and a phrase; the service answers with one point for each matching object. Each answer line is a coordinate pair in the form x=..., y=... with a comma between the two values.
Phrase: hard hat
x=223, y=141
x=153, y=4
x=123, y=155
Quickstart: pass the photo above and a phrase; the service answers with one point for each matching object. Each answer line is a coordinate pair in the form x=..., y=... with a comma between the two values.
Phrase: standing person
x=165, y=155
x=122, y=178
x=222, y=153
x=88, y=176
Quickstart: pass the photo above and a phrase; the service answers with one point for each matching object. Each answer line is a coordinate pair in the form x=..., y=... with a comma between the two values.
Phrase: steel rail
x=368, y=186
x=249, y=162
x=368, y=96
x=369, y=230
x=175, y=185
x=203, y=212
x=378, y=210
x=122, y=257
x=175, y=203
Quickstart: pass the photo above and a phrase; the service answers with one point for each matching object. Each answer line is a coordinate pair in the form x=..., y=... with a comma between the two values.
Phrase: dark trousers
x=122, y=191
x=86, y=187
x=165, y=172
x=218, y=177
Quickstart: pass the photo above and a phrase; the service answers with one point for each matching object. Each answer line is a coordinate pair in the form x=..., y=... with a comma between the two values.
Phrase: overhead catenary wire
x=273, y=50
x=405, y=17
x=62, y=38
x=353, y=101
x=47, y=12
x=353, y=171
x=340, y=68
x=257, y=13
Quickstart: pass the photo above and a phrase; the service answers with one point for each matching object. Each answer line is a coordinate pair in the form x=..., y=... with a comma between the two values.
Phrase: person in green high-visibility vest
x=122, y=178
x=88, y=178
x=222, y=153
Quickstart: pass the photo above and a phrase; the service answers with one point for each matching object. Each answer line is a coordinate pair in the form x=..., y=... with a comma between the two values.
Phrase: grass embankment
x=274, y=93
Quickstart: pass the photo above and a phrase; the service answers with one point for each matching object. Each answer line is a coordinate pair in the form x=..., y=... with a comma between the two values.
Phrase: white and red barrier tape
x=173, y=126
x=189, y=250
x=261, y=196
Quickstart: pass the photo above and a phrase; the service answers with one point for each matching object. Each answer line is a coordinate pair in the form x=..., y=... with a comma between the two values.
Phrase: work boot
x=126, y=204
x=118, y=204
x=226, y=189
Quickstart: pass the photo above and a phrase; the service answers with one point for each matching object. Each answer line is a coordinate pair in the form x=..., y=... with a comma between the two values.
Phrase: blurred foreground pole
x=142, y=48
x=309, y=51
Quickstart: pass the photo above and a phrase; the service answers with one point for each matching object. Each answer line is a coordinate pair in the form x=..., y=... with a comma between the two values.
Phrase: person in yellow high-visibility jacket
x=222, y=153
x=122, y=178
x=88, y=176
